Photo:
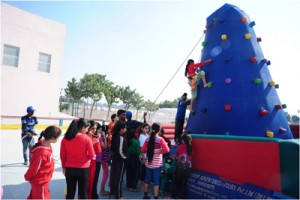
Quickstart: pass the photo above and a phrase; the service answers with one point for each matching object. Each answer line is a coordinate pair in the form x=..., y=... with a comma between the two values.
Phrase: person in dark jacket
x=119, y=155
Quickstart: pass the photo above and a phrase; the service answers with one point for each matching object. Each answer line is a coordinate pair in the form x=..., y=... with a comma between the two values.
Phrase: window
x=44, y=62
x=11, y=55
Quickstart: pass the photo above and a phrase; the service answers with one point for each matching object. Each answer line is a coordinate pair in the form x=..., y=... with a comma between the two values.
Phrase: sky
x=142, y=44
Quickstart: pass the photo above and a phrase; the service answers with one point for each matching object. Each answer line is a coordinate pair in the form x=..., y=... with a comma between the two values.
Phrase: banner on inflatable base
x=202, y=185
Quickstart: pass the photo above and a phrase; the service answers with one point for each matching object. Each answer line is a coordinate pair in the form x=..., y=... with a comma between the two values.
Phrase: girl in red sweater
x=94, y=136
x=76, y=152
x=41, y=166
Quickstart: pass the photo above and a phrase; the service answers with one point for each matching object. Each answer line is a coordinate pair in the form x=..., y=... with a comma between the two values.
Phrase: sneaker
x=26, y=162
x=104, y=192
x=146, y=196
x=132, y=190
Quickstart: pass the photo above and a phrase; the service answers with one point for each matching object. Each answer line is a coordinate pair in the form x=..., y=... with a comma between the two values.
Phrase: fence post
x=61, y=122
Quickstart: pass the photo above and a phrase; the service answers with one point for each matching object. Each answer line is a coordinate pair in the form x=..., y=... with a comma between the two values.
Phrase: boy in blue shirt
x=28, y=123
x=180, y=117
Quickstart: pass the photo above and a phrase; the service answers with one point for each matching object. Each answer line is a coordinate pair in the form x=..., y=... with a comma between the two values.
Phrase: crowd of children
x=142, y=153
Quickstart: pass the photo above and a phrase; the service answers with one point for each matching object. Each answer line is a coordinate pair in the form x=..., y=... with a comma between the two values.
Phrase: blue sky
x=143, y=43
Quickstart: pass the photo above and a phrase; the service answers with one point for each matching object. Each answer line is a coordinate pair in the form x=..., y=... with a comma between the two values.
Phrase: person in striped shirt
x=155, y=146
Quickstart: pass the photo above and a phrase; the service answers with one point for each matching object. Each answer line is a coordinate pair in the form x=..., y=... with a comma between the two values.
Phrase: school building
x=32, y=51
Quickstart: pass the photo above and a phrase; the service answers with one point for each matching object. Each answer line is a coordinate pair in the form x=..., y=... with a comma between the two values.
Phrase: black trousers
x=181, y=178
x=74, y=176
x=178, y=130
x=116, y=174
x=133, y=170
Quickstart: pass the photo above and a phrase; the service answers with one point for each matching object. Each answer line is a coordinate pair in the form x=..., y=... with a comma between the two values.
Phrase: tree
x=73, y=90
x=63, y=107
x=137, y=102
x=112, y=95
x=127, y=96
x=150, y=107
x=93, y=86
x=168, y=104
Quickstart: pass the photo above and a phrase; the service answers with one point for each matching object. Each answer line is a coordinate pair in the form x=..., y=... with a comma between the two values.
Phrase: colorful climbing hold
x=244, y=19
x=257, y=81
x=263, y=111
x=227, y=107
x=270, y=134
x=247, y=36
x=252, y=59
x=228, y=80
x=278, y=106
x=252, y=24
x=272, y=83
x=224, y=37
x=209, y=84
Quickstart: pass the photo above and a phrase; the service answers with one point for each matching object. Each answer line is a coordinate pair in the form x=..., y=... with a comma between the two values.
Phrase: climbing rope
x=178, y=68
x=177, y=71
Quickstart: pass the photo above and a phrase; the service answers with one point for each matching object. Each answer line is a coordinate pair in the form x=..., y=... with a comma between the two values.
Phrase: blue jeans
x=154, y=175
x=28, y=143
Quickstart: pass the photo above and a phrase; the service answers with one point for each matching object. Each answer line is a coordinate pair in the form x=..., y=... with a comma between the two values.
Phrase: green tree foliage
x=112, y=95
x=64, y=107
x=73, y=90
x=127, y=96
x=93, y=86
x=150, y=107
x=168, y=104
x=137, y=102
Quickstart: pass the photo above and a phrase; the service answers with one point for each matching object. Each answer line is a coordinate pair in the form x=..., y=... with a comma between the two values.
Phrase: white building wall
x=24, y=85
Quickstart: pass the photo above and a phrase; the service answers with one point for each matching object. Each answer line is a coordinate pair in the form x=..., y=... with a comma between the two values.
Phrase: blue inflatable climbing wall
x=243, y=99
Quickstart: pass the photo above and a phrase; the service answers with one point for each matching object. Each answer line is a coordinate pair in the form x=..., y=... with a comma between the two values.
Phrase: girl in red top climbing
x=193, y=73
x=41, y=166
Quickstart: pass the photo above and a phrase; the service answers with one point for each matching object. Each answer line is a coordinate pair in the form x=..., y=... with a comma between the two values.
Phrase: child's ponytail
x=41, y=135
x=151, y=144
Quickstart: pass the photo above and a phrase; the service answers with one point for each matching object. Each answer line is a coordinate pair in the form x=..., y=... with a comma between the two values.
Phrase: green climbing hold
x=209, y=85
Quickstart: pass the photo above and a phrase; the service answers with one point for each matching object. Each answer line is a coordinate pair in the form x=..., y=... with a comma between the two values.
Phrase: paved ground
x=13, y=170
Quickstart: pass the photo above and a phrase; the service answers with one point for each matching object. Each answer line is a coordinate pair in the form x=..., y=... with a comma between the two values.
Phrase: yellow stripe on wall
x=18, y=127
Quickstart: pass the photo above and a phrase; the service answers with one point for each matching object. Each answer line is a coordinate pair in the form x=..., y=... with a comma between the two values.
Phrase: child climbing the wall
x=193, y=74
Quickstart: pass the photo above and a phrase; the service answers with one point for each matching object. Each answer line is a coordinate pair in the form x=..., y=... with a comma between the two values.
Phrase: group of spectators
x=125, y=146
